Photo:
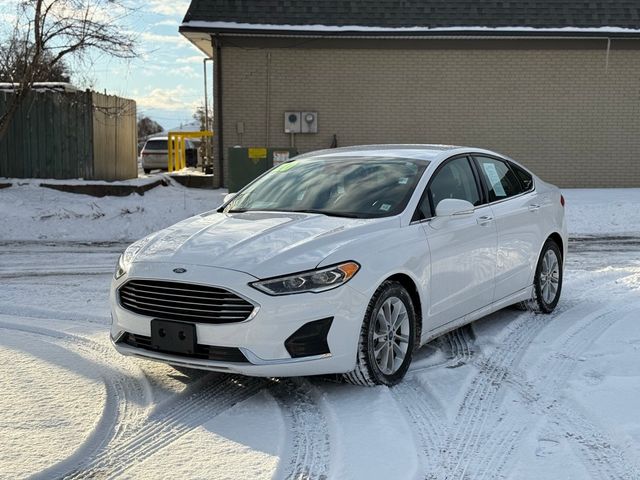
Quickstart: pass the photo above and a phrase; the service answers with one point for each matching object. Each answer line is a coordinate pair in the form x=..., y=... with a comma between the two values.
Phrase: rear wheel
x=147, y=171
x=547, y=284
x=386, y=339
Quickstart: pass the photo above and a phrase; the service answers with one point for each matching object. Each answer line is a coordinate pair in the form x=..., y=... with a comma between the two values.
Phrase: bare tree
x=14, y=64
x=48, y=32
x=200, y=116
x=147, y=126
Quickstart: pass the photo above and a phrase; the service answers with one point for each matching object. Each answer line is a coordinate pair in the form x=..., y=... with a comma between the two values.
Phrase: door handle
x=484, y=220
x=534, y=207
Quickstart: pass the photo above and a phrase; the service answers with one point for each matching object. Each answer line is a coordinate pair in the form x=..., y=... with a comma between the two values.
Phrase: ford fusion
x=343, y=261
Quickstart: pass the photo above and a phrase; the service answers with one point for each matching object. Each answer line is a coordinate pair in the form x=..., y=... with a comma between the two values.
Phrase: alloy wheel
x=391, y=335
x=549, y=276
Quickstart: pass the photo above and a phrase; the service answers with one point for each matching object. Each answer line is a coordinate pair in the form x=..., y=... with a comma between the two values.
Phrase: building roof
x=571, y=17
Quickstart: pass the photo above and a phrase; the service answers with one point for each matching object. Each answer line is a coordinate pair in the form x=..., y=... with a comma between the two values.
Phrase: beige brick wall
x=559, y=111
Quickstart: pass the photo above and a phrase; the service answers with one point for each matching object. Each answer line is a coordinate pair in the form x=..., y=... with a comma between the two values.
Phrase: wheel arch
x=410, y=286
x=557, y=238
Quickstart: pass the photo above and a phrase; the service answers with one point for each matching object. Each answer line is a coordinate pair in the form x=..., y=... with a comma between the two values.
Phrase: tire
x=147, y=170
x=546, y=290
x=381, y=369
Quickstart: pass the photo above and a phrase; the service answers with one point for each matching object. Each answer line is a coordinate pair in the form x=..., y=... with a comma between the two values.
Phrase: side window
x=500, y=179
x=526, y=180
x=454, y=180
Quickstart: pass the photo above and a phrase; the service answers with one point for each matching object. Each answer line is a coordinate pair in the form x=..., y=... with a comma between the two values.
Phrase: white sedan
x=343, y=261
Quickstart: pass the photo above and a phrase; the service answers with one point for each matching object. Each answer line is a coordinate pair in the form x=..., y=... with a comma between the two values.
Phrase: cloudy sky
x=166, y=80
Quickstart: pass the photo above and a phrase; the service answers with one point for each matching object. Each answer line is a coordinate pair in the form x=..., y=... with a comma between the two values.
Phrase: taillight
x=562, y=200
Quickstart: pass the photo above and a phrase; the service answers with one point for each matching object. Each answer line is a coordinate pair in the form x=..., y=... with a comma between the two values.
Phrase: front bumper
x=262, y=337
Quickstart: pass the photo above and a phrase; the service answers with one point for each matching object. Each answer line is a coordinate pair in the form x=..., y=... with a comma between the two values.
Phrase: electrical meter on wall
x=292, y=122
x=300, y=122
x=309, y=122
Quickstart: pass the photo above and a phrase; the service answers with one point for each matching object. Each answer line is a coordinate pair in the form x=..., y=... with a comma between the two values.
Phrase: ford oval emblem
x=179, y=270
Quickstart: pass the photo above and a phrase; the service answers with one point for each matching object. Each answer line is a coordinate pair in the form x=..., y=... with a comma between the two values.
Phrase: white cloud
x=173, y=8
x=185, y=71
x=175, y=39
x=192, y=59
x=170, y=99
x=169, y=22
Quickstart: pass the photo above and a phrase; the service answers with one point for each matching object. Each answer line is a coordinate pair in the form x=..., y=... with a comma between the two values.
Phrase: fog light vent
x=310, y=339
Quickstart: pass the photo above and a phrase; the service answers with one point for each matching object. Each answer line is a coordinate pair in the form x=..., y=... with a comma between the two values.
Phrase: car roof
x=428, y=152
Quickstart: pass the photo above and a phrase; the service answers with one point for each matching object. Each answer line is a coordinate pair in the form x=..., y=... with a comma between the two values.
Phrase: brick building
x=554, y=84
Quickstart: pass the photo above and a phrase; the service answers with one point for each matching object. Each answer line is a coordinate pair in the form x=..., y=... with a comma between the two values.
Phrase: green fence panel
x=52, y=136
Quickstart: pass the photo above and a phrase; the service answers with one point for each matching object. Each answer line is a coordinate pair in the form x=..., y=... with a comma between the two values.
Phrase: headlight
x=314, y=281
x=125, y=260
x=121, y=268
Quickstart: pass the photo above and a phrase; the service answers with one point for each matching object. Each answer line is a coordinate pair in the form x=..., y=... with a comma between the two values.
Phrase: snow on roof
x=216, y=25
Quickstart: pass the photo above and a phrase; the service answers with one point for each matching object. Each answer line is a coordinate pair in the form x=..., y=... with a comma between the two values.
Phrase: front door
x=462, y=247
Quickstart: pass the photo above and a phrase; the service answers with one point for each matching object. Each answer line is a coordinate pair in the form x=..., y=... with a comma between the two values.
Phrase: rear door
x=463, y=248
x=516, y=208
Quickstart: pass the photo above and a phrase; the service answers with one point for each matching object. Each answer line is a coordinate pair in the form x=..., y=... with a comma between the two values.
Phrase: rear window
x=526, y=180
x=500, y=179
x=156, y=145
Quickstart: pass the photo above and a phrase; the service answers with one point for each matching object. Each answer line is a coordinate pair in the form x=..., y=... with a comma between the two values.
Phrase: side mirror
x=228, y=197
x=454, y=207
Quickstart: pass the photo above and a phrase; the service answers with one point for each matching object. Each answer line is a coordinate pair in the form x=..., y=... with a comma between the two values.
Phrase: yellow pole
x=170, y=155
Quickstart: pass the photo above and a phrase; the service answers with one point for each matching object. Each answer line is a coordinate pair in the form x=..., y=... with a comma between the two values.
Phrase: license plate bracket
x=173, y=337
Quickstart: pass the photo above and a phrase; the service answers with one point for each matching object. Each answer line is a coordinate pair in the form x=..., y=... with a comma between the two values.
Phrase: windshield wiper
x=238, y=210
x=327, y=213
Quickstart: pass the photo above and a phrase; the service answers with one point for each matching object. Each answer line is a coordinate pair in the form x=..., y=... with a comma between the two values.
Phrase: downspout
x=207, y=122
x=217, y=44
x=606, y=64
x=268, y=109
x=206, y=94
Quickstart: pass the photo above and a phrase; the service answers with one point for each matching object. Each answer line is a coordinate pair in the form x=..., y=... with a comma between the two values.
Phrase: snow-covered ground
x=515, y=395
x=30, y=212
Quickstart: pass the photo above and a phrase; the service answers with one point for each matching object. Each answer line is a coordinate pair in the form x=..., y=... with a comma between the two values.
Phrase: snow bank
x=30, y=212
x=603, y=211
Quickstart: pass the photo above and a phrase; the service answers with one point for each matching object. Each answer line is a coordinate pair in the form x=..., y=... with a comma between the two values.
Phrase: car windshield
x=357, y=186
x=156, y=145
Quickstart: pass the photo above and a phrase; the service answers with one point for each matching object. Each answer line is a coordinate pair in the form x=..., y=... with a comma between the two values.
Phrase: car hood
x=262, y=244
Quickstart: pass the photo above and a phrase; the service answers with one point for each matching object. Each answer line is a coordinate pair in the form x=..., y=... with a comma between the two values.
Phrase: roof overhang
x=200, y=32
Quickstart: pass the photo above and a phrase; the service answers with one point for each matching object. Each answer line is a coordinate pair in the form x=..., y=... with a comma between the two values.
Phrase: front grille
x=203, y=352
x=183, y=301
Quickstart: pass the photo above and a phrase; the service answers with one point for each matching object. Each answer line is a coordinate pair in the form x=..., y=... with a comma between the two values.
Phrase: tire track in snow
x=425, y=412
x=461, y=346
x=603, y=457
x=508, y=428
x=126, y=395
x=56, y=273
x=482, y=399
x=170, y=421
x=426, y=417
x=501, y=437
x=308, y=433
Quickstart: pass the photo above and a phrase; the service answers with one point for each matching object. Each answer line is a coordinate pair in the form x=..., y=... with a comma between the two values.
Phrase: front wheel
x=386, y=339
x=547, y=284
